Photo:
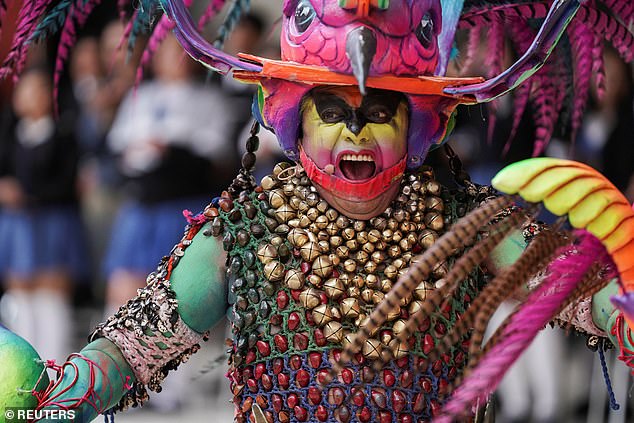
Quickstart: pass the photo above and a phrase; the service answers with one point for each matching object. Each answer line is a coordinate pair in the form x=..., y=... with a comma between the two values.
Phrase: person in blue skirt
x=41, y=238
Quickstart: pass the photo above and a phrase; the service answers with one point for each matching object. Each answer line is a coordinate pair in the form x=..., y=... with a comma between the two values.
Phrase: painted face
x=354, y=147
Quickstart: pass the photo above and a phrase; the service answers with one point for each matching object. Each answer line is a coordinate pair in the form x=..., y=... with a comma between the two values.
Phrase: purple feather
x=582, y=42
x=542, y=305
x=611, y=29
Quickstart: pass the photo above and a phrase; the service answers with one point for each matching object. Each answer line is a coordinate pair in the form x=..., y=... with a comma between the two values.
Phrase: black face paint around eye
x=376, y=107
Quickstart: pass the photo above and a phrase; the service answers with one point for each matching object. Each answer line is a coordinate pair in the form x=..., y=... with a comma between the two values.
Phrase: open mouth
x=357, y=167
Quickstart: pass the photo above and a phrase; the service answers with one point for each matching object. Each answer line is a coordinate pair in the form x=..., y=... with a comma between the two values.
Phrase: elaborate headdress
x=400, y=45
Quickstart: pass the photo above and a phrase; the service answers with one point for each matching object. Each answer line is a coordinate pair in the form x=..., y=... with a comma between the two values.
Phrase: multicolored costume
x=358, y=284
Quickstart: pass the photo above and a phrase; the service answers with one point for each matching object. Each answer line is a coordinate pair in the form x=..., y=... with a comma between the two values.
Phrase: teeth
x=357, y=157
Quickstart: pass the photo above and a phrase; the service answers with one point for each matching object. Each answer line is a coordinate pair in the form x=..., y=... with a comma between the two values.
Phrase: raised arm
x=150, y=335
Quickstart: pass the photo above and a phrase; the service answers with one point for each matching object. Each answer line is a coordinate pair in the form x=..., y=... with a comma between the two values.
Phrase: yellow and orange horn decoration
x=591, y=202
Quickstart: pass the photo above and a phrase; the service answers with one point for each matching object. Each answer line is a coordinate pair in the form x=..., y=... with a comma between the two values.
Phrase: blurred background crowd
x=93, y=185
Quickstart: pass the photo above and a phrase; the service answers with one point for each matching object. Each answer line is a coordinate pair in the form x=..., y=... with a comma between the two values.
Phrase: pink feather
x=473, y=46
x=161, y=31
x=597, y=67
x=67, y=39
x=541, y=306
x=213, y=8
x=611, y=29
x=28, y=17
x=582, y=42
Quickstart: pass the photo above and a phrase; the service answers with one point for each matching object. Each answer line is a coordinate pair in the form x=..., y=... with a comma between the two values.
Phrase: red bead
x=407, y=378
x=436, y=408
x=428, y=344
x=302, y=378
x=260, y=368
x=309, y=318
x=277, y=402
x=292, y=400
x=347, y=376
x=266, y=382
x=458, y=357
x=252, y=384
x=323, y=298
x=283, y=380
x=446, y=358
x=405, y=418
x=388, y=378
x=300, y=413
x=398, y=400
x=336, y=354
x=336, y=396
x=443, y=386
x=284, y=417
x=278, y=366
x=358, y=358
x=250, y=358
x=402, y=362
x=385, y=417
x=276, y=320
x=295, y=362
x=378, y=397
x=424, y=326
x=342, y=414
x=451, y=374
x=300, y=341
x=293, y=320
x=315, y=360
x=358, y=397
x=305, y=267
x=314, y=395
x=436, y=368
x=440, y=328
x=422, y=364
x=321, y=413
x=281, y=343
x=322, y=376
x=426, y=384
x=295, y=294
x=419, y=403
x=282, y=300
x=247, y=373
x=364, y=415
x=264, y=348
x=320, y=339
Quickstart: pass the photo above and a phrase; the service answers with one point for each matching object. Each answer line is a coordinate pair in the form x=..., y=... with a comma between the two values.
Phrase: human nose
x=357, y=137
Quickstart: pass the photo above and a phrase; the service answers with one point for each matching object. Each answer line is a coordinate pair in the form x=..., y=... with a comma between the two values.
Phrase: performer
x=358, y=284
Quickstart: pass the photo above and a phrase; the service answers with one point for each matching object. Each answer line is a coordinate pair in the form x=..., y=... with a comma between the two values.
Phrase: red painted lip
x=370, y=153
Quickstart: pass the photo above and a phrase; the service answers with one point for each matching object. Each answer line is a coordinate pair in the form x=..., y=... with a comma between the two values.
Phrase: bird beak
x=361, y=48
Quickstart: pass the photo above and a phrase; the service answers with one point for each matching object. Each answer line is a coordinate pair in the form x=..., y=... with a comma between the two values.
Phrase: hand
x=11, y=193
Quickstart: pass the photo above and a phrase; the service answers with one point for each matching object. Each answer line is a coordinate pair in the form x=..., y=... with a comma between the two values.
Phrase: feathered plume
x=560, y=89
x=565, y=275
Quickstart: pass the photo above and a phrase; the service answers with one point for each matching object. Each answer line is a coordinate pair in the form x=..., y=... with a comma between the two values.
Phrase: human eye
x=332, y=115
x=379, y=115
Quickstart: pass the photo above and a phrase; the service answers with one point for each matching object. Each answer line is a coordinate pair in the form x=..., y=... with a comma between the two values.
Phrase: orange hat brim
x=316, y=75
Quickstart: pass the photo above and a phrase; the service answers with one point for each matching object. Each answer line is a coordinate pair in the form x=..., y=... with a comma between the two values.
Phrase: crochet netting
x=279, y=354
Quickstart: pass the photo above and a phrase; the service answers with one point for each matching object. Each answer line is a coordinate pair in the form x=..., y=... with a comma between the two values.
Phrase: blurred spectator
x=171, y=139
x=40, y=230
x=617, y=112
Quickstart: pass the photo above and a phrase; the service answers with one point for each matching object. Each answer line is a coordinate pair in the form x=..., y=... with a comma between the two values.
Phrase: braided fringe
x=460, y=234
x=461, y=268
x=536, y=254
x=562, y=282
